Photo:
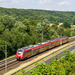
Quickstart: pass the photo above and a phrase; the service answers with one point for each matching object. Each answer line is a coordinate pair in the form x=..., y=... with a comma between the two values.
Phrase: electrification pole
x=42, y=37
x=5, y=56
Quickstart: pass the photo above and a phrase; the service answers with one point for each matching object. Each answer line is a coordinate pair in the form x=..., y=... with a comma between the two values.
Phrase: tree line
x=52, y=16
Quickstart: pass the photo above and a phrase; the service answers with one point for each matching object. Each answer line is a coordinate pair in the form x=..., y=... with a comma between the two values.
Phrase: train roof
x=24, y=48
x=38, y=44
x=48, y=41
x=30, y=46
x=56, y=38
x=44, y=42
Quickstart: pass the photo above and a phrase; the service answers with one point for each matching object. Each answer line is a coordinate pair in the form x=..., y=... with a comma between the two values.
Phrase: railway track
x=13, y=63
x=8, y=60
x=8, y=65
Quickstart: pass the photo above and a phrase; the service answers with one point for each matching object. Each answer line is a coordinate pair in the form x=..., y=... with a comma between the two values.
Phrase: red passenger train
x=30, y=50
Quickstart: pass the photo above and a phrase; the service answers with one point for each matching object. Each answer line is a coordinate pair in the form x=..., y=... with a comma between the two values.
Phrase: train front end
x=19, y=55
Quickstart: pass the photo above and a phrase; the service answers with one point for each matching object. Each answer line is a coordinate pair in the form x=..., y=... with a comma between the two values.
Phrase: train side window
x=28, y=51
x=35, y=50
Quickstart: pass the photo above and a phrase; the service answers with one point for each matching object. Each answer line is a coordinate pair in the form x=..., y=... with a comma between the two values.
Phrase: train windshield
x=20, y=52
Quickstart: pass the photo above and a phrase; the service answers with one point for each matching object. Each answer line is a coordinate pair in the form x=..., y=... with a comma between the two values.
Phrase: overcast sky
x=58, y=5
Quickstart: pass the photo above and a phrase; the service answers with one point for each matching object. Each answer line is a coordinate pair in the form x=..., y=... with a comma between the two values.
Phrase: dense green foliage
x=27, y=28
x=52, y=16
x=63, y=66
x=66, y=24
x=74, y=22
x=17, y=34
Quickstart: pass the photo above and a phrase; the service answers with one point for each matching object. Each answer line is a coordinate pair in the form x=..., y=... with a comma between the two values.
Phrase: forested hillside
x=52, y=16
x=22, y=27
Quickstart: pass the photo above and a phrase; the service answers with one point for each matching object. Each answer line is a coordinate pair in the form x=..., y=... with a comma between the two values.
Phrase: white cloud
x=32, y=1
x=17, y=1
x=14, y=1
x=44, y=1
x=5, y=0
x=23, y=0
x=63, y=3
